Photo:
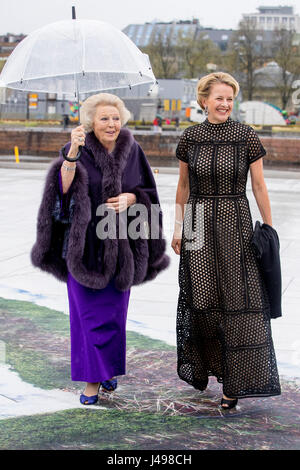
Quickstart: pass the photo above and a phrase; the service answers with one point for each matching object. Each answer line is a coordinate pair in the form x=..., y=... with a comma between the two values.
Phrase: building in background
x=220, y=37
x=268, y=80
x=141, y=101
x=270, y=18
x=15, y=104
x=170, y=98
x=144, y=34
x=175, y=97
x=7, y=44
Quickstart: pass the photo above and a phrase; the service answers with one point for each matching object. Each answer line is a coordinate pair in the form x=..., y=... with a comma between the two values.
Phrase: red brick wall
x=282, y=149
x=159, y=146
x=32, y=142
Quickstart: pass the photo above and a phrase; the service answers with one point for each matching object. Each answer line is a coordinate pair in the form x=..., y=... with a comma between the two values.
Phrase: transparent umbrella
x=76, y=56
x=72, y=57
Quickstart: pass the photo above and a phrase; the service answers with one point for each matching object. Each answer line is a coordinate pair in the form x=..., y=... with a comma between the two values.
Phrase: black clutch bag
x=265, y=245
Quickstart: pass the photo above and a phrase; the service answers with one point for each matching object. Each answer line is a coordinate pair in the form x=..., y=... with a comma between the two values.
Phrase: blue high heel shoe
x=84, y=400
x=109, y=386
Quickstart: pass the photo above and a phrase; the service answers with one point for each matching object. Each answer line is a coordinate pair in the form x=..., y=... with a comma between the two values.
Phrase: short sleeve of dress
x=182, y=148
x=254, y=147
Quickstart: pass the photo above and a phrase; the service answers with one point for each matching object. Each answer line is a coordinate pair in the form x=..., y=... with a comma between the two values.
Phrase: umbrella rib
x=75, y=78
x=90, y=90
x=83, y=49
x=26, y=61
x=84, y=72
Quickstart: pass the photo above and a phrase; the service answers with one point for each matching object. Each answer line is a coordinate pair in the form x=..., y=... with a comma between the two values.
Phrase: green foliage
x=25, y=323
x=44, y=318
x=92, y=429
x=38, y=368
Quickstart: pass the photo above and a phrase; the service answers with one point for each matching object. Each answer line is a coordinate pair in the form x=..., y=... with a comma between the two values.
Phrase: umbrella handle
x=71, y=159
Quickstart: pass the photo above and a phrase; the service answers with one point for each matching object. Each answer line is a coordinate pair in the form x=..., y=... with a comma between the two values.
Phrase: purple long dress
x=97, y=327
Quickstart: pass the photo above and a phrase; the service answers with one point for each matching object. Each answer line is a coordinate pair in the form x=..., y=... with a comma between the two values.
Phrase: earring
x=206, y=111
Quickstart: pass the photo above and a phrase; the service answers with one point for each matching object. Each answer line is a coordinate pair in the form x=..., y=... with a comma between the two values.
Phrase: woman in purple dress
x=89, y=235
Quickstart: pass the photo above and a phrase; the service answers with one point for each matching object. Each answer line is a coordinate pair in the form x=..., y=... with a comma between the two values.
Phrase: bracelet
x=178, y=222
x=68, y=168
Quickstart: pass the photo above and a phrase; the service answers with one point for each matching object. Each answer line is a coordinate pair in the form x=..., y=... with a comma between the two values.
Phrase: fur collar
x=122, y=149
x=111, y=165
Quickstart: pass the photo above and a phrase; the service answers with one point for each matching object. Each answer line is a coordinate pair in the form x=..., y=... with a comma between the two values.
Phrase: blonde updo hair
x=89, y=107
x=205, y=83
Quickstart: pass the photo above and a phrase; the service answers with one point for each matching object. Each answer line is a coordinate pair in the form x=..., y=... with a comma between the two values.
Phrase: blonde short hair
x=205, y=83
x=89, y=106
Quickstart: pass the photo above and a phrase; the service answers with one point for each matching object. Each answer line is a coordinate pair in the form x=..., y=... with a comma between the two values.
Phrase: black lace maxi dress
x=223, y=317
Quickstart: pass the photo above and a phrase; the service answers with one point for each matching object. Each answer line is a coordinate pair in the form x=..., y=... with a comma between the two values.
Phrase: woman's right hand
x=77, y=139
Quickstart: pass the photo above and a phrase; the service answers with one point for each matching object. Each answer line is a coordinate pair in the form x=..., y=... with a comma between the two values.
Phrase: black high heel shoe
x=230, y=403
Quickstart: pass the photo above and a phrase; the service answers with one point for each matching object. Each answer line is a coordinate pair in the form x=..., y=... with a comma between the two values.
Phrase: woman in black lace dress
x=223, y=317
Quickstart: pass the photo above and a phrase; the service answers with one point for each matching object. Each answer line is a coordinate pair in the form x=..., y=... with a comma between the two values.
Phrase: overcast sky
x=24, y=16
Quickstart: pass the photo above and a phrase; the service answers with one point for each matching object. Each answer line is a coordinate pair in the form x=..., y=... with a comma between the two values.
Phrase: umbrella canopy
x=76, y=56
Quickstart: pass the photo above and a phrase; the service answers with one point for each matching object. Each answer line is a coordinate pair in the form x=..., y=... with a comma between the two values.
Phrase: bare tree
x=163, y=56
x=246, y=53
x=194, y=52
x=287, y=56
x=185, y=56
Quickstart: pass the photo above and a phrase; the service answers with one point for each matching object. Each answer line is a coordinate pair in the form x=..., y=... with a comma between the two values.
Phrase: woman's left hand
x=122, y=202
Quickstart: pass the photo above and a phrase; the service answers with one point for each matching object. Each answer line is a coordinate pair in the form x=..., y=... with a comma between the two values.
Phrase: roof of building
x=282, y=10
x=143, y=34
